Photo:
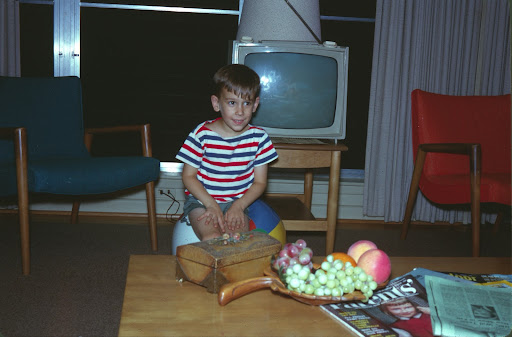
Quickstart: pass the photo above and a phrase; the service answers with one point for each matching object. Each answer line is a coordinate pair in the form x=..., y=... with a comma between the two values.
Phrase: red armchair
x=446, y=130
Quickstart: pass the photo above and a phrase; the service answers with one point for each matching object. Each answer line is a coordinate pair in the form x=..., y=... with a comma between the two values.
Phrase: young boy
x=225, y=159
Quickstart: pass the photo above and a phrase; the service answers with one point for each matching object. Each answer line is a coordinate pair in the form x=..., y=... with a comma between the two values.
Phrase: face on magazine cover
x=404, y=310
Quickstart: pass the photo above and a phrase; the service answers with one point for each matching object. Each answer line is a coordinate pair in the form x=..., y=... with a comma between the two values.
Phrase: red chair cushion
x=463, y=119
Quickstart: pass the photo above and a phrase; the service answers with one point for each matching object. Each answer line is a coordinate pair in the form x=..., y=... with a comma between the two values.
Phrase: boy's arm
x=235, y=216
x=213, y=212
x=257, y=188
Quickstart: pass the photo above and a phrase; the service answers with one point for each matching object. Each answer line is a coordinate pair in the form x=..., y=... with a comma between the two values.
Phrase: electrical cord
x=174, y=201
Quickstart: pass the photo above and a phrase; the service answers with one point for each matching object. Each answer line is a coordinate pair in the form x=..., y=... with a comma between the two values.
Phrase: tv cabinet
x=295, y=209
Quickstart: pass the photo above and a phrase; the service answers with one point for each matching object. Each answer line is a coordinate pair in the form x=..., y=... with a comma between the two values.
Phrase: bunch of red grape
x=293, y=253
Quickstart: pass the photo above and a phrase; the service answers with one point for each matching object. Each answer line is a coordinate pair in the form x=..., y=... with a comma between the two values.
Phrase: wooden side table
x=295, y=209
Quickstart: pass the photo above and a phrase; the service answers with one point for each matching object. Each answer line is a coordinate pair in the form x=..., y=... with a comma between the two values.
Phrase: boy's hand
x=213, y=216
x=235, y=217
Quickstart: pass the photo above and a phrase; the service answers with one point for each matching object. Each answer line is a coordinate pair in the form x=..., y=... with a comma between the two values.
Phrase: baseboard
x=163, y=219
x=91, y=217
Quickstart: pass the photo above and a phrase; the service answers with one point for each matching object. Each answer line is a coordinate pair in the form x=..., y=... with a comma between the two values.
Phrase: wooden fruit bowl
x=232, y=291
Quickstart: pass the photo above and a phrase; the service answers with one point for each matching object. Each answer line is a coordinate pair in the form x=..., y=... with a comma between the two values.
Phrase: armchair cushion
x=81, y=176
x=92, y=175
x=494, y=187
x=484, y=120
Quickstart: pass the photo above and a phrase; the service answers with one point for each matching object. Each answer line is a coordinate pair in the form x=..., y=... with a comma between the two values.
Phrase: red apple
x=376, y=263
x=358, y=248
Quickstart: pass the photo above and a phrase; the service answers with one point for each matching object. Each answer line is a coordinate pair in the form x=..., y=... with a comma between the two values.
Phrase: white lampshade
x=275, y=20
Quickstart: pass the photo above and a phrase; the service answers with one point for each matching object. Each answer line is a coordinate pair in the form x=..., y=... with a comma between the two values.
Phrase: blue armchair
x=44, y=148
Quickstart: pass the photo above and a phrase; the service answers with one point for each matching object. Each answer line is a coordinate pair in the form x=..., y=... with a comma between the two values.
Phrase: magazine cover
x=494, y=280
x=400, y=309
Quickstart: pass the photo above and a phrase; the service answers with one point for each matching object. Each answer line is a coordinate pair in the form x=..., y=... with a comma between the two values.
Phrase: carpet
x=76, y=285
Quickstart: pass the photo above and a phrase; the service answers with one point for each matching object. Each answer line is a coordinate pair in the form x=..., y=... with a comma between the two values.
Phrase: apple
x=358, y=248
x=375, y=262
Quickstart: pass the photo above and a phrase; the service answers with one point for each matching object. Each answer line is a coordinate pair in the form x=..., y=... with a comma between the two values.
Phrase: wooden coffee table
x=155, y=304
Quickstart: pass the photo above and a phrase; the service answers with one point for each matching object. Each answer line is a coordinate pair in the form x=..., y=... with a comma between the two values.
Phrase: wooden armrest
x=120, y=128
x=471, y=149
x=144, y=130
x=19, y=136
x=455, y=148
x=8, y=132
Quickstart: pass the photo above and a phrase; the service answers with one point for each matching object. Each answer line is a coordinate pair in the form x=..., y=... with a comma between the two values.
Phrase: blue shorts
x=192, y=203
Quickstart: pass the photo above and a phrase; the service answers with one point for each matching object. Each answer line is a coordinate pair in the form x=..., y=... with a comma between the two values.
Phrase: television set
x=303, y=87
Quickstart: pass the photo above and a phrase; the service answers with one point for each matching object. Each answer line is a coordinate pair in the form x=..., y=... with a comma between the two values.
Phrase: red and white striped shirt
x=226, y=165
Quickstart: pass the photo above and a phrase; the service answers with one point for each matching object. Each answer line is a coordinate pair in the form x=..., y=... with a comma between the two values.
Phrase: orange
x=343, y=257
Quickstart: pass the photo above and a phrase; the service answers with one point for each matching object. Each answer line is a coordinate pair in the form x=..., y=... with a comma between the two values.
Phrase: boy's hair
x=238, y=79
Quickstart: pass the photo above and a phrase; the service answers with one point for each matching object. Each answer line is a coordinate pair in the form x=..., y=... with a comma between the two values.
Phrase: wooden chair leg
x=413, y=192
x=308, y=188
x=475, y=220
x=475, y=197
x=497, y=223
x=74, y=212
x=332, y=201
x=23, y=210
x=23, y=204
x=150, y=198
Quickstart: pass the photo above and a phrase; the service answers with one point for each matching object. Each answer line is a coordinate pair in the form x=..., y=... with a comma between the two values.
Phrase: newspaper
x=400, y=309
x=463, y=309
x=371, y=319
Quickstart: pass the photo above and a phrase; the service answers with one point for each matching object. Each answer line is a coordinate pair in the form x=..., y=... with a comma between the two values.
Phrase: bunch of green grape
x=334, y=278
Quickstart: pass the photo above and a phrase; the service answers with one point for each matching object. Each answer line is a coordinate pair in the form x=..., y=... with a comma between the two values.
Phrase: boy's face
x=236, y=112
x=406, y=310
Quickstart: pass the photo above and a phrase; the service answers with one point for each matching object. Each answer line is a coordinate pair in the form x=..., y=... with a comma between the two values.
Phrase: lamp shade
x=276, y=20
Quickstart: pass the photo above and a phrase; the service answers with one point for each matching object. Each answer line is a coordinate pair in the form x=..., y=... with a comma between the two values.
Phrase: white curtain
x=9, y=38
x=456, y=47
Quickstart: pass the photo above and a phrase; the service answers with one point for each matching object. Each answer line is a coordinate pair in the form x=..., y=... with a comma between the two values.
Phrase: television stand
x=295, y=209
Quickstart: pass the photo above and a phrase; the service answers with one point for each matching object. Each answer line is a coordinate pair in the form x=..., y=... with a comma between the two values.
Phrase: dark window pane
x=358, y=36
x=359, y=9
x=36, y=40
x=151, y=67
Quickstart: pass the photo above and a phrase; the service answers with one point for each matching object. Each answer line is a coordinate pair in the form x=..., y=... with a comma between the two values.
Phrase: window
x=36, y=45
x=155, y=66
x=356, y=32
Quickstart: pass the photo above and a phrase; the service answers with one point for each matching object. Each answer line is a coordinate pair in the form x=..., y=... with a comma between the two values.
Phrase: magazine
x=374, y=319
x=462, y=309
x=400, y=309
x=494, y=280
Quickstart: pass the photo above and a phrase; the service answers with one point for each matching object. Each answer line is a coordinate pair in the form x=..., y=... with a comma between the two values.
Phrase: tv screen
x=303, y=87
x=291, y=83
